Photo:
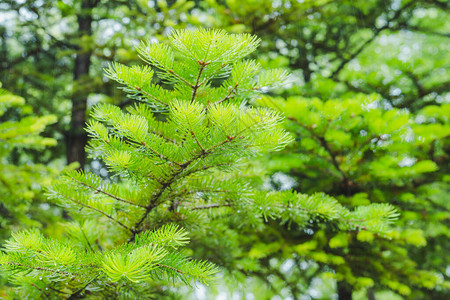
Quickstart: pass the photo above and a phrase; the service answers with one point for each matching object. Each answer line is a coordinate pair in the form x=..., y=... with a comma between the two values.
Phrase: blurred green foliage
x=367, y=104
x=22, y=182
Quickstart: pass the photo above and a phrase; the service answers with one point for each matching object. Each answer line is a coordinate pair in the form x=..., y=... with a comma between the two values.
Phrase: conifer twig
x=197, y=141
x=181, y=78
x=197, y=85
x=324, y=144
x=85, y=237
x=58, y=291
x=169, y=267
x=160, y=155
x=229, y=95
x=210, y=191
x=164, y=137
x=99, y=211
x=213, y=205
x=107, y=194
x=154, y=199
x=34, y=285
x=150, y=96
x=42, y=269
x=77, y=292
x=205, y=80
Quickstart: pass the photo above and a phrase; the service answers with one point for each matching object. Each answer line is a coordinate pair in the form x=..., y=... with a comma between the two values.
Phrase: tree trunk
x=370, y=294
x=3, y=50
x=303, y=64
x=344, y=290
x=77, y=138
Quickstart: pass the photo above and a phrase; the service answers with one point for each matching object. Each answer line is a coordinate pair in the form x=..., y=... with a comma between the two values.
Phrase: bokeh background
x=389, y=55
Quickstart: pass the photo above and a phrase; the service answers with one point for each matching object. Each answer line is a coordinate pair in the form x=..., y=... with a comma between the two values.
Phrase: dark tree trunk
x=371, y=294
x=302, y=63
x=306, y=71
x=3, y=50
x=77, y=138
x=344, y=290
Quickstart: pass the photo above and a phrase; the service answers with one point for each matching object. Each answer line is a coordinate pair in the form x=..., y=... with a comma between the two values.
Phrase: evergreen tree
x=340, y=41
x=22, y=201
x=396, y=49
x=173, y=155
x=21, y=181
x=43, y=60
x=362, y=152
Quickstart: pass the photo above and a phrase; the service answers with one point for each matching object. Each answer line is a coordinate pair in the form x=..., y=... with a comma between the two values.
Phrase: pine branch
x=42, y=291
x=207, y=79
x=197, y=141
x=324, y=144
x=85, y=237
x=170, y=268
x=208, y=206
x=76, y=294
x=332, y=155
x=153, y=202
x=42, y=269
x=98, y=190
x=230, y=94
x=164, y=137
x=197, y=81
x=147, y=94
x=99, y=211
x=181, y=78
x=209, y=191
x=162, y=156
x=58, y=291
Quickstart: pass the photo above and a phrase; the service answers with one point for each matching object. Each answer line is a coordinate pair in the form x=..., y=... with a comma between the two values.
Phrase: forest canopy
x=224, y=149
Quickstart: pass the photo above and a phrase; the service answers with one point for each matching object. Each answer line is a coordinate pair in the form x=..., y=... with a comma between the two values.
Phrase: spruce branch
x=149, y=95
x=75, y=294
x=39, y=268
x=170, y=268
x=164, y=137
x=332, y=155
x=208, y=206
x=207, y=79
x=160, y=155
x=182, y=79
x=231, y=92
x=321, y=140
x=154, y=200
x=97, y=210
x=99, y=190
x=86, y=238
x=197, y=81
